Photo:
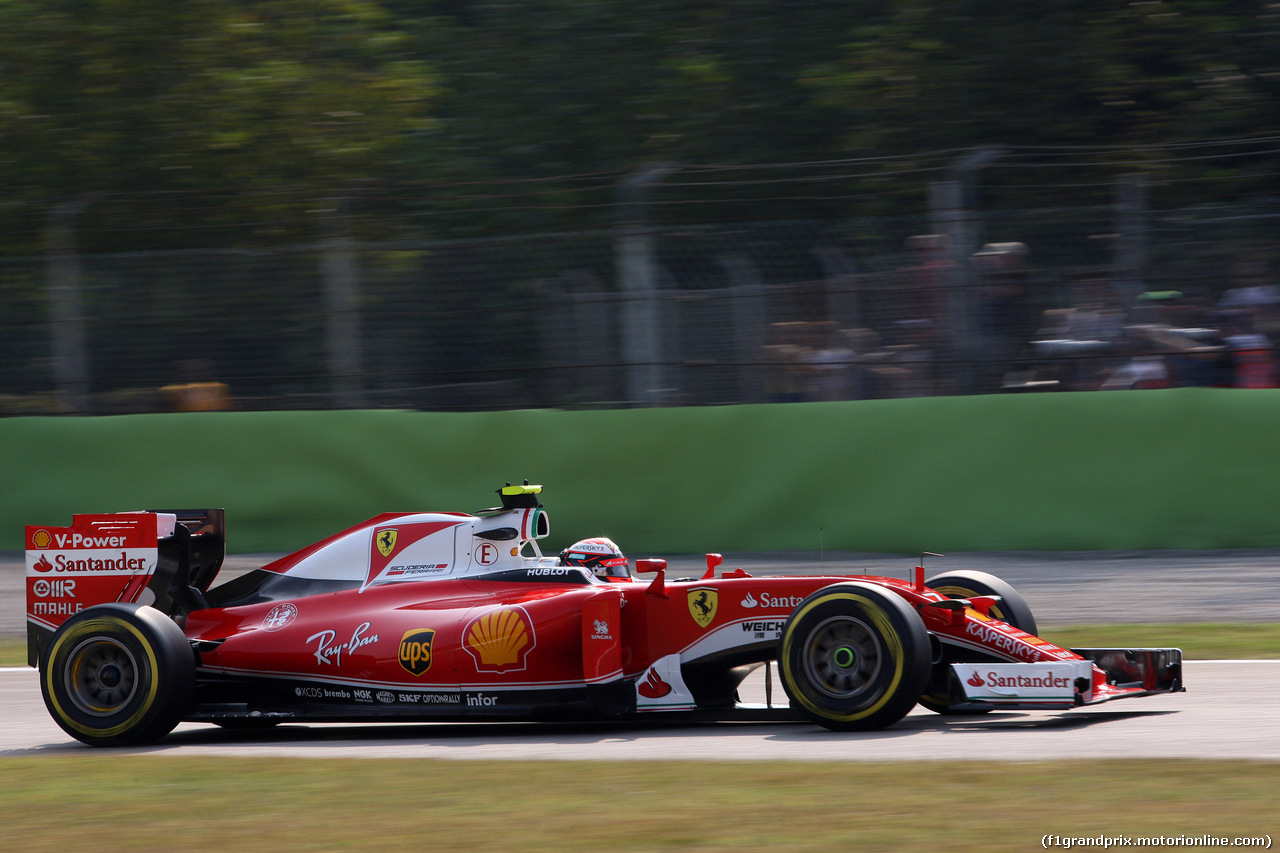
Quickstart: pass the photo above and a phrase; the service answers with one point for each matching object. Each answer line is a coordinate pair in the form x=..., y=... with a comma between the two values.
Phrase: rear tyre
x=854, y=656
x=118, y=674
x=1012, y=608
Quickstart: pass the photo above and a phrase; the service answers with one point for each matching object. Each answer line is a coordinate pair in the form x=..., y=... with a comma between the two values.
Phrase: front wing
x=1100, y=676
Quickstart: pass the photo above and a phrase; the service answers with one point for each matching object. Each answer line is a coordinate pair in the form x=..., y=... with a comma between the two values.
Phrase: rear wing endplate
x=165, y=558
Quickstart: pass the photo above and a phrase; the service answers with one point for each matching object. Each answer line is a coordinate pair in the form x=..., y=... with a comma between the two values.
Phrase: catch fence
x=948, y=302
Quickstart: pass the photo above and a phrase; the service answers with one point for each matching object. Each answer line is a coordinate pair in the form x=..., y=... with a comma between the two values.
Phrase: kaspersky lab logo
x=415, y=650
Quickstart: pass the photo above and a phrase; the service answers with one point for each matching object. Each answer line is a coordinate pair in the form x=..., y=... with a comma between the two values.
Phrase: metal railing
x=735, y=313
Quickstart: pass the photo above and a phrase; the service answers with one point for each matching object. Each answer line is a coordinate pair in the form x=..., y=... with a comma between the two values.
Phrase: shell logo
x=42, y=539
x=500, y=640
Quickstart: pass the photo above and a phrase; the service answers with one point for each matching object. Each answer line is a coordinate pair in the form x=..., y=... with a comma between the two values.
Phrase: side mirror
x=644, y=567
x=713, y=560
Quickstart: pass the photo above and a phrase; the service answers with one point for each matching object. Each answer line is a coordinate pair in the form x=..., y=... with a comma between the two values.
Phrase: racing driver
x=598, y=555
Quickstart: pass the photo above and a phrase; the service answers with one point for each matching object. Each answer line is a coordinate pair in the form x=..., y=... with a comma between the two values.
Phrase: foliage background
x=224, y=123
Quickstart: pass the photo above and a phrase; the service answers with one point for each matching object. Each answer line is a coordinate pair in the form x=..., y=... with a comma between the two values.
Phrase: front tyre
x=854, y=657
x=1012, y=608
x=118, y=674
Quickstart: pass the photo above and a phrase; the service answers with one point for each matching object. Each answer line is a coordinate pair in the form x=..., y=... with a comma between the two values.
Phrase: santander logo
x=43, y=564
x=975, y=680
x=653, y=687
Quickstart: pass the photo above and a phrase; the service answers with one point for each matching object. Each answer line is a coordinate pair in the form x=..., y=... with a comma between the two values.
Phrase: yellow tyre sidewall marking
x=77, y=633
x=888, y=635
x=961, y=592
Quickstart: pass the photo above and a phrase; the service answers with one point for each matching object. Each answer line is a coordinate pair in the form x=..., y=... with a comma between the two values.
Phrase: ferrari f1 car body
x=453, y=616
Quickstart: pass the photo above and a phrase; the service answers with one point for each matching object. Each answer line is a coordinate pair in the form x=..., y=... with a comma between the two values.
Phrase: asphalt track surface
x=1231, y=709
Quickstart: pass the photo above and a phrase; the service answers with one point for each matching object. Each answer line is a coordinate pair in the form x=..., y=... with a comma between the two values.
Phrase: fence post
x=1131, y=231
x=951, y=204
x=641, y=320
x=66, y=308
x=841, y=287
x=338, y=271
x=747, y=316
x=947, y=215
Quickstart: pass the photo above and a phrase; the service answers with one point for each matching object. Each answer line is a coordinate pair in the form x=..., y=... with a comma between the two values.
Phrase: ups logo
x=415, y=650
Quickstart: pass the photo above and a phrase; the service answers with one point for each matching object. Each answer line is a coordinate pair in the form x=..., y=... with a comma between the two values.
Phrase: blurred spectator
x=1253, y=357
x=1006, y=317
x=1250, y=309
x=864, y=383
x=1145, y=369
x=196, y=391
x=1254, y=291
x=1073, y=346
x=1194, y=350
x=783, y=379
x=927, y=276
x=915, y=359
x=905, y=368
x=1171, y=343
x=827, y=364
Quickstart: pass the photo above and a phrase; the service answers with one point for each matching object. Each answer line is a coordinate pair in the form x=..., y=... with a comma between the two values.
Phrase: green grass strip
x=110, y=802
x=13, y=651
x=1198, y=640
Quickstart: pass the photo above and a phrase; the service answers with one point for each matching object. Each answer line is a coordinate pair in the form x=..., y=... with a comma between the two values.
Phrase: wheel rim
x=101, y=676
x=843, y=657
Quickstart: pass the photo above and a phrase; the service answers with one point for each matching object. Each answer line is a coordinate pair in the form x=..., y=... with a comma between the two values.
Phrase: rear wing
x=165, y=558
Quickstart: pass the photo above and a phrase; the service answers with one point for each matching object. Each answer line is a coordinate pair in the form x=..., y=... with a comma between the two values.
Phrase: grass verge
x=1198, y=641
x=13, y=651
x=210, y=804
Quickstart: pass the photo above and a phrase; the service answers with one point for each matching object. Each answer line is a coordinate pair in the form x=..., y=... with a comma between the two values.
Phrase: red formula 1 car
x=453, y=616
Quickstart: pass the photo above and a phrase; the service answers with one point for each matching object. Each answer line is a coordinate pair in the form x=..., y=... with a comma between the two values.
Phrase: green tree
x=246, y=111
x=578, y=93
x=1131, y=78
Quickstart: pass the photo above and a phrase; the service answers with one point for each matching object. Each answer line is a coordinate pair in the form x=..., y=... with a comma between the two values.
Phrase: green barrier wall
x=1191, y=468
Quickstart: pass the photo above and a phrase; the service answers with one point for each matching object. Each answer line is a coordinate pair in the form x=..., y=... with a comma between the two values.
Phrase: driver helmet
x=599, y=555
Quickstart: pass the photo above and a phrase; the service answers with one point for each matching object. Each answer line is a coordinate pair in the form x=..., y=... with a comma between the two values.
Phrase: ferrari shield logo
x=386, y=541
x=702, y=605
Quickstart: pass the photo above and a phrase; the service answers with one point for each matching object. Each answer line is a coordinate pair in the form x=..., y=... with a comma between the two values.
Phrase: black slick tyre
x=854, y=656
x=118, y=674
x=1012, y=608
